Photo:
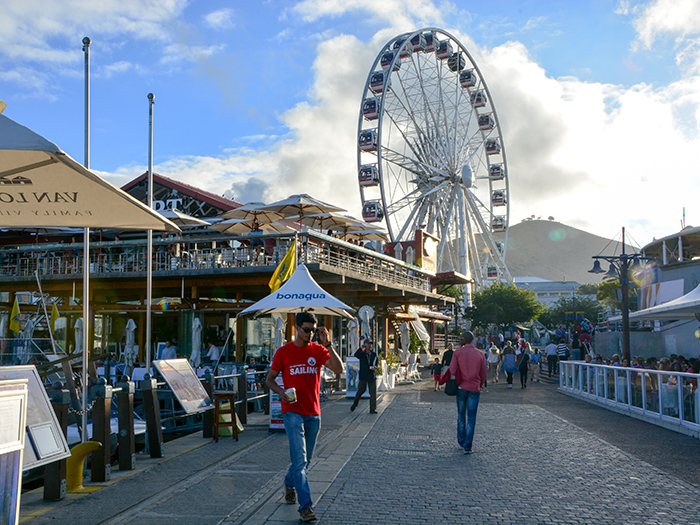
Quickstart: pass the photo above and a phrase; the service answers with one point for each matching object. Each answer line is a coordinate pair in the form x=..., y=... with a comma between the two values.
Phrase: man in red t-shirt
x=300, y=363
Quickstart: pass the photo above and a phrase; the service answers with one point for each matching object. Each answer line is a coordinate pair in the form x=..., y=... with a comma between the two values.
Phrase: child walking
x=437, y=372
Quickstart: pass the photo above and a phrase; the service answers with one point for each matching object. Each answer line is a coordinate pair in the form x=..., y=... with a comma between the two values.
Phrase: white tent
x=684, y=307
x=300, y=293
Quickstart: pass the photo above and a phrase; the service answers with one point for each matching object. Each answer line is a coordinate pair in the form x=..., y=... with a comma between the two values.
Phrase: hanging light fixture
x=612, y=271
x=596, y=267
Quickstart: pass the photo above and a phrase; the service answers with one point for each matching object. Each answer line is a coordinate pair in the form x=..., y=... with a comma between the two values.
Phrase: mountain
x=556, y=252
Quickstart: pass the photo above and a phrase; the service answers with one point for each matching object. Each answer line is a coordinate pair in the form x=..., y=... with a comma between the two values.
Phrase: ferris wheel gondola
x=431, y=153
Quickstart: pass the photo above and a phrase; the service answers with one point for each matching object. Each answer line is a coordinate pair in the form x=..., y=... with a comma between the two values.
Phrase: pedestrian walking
x=447, y=357
x=368, y=362
x=437, y=373
x=563, y=352
x=535, y=361
x=509, y=365
x=551, y=351
x=470, y=363
x=524, y=367
x=299, y=362
x=494, y=360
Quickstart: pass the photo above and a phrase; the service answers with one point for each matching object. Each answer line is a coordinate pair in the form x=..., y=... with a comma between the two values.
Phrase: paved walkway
x=541, y=457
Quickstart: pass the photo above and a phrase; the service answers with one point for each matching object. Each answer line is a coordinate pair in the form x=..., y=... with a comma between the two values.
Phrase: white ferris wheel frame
x=465, y=207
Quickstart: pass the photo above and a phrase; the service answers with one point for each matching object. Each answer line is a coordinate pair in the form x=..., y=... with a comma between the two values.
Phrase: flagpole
x=86, y=248
x=149, y=249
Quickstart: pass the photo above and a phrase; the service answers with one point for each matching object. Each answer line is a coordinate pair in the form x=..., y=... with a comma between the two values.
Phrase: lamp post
x=619, y=266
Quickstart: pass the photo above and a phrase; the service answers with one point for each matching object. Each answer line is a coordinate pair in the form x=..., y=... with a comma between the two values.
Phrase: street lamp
x=619, y=265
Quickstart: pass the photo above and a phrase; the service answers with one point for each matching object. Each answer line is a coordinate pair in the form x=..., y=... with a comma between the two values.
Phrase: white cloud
x=221, y=19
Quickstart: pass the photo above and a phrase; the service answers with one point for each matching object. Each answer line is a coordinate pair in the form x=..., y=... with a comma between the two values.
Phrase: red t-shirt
x=300, y=367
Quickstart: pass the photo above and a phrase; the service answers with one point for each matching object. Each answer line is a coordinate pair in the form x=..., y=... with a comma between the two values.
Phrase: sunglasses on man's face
x=307, y=330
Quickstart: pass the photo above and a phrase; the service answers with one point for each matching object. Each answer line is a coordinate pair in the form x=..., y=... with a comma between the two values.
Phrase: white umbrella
x=78, y=327
x=279, y=332
x=300, y=294
x=364, y=322
x=182, y=219
x=353, y=336
x=251, y=210
x=245, y=226
x=196, y=356
x=405, y=341
x=130, y=352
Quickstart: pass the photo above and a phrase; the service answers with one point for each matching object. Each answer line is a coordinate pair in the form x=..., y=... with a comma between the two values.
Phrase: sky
x=598, y=100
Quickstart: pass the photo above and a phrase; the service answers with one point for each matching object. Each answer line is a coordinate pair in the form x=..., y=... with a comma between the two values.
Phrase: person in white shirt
x=214, y=353
x=169, y=352
x=551, y=351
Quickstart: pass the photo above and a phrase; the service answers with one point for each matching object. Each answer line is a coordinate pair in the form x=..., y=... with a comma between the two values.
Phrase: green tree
x=587, y=289
x=555, y=314
x=503, y=304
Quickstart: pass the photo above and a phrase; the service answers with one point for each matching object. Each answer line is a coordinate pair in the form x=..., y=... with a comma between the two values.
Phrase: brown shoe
x=307, y=515
x=290, y=495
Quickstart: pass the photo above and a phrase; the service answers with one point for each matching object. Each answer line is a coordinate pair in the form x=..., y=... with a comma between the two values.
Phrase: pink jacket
x=472, y=367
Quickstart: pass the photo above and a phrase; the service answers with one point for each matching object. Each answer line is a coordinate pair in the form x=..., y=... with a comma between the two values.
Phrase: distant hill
x=551, y=250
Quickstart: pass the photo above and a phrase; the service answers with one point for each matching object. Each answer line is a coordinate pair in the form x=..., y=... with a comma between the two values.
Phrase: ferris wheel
x=431, y=154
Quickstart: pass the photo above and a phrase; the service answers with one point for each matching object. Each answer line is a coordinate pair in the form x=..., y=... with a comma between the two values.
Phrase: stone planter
x=424, y=359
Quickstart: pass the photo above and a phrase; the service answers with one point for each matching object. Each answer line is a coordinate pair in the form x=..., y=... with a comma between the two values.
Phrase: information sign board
x=185, y=384
x=46, y=442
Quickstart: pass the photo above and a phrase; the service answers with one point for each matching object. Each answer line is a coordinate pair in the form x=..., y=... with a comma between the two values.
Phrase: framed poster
x=352, y=377
x=45, y=441
x=276, y=421
x=185, y=384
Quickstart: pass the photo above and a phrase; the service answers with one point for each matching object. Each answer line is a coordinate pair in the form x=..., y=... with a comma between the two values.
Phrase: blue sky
x=598, y=99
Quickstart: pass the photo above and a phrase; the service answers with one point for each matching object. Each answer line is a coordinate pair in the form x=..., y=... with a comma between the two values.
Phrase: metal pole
x=149, y=249
x=86, y=247
x=624, y=285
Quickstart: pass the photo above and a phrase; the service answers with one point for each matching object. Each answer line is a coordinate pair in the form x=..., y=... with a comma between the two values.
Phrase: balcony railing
x=115, y=258
x=661, y=397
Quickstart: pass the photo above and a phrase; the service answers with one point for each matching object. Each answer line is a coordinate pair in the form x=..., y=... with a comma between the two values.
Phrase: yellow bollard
x=74, y=466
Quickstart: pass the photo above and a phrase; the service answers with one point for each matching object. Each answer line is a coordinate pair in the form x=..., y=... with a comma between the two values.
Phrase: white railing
x=670, y=399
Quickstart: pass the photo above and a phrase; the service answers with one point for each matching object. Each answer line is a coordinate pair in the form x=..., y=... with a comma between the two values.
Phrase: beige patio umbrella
x=367, y=235
x=251, y=210
x=300, y=205
x=182, y=219
x=245, y=226
x=44, y=187
x=325, y=221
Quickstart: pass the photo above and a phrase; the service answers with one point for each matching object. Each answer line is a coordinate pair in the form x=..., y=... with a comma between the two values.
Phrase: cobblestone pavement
x=530, y=466
x=541, y=457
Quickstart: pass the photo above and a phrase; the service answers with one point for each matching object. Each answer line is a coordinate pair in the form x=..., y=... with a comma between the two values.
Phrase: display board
x=352, y=377
x=182, y=379
x=276, y=420
x=45, y=441
x=13, y=411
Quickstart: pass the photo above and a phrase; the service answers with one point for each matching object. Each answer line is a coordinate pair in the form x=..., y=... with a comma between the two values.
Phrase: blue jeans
x=301, y=432
x=467, y=404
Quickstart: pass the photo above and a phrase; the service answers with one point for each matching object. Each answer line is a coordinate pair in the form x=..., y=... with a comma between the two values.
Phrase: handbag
x=451, y=382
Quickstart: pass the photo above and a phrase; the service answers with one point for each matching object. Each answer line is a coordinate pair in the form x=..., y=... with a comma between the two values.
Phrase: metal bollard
x=151, y=408
x=101, y=430
x=55, y=473
x=208, y=416
x=243, y=395
x=125, y=413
